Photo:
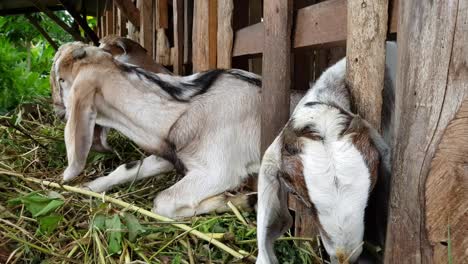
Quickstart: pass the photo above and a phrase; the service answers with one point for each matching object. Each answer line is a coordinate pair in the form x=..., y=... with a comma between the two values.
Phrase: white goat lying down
x=328, y=158
x=205, y=125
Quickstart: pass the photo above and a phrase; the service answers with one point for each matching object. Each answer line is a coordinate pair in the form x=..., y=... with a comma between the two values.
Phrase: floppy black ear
x=79, y=53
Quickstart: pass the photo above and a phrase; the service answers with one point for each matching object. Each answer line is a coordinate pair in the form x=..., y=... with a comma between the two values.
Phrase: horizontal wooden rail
x=316, y=25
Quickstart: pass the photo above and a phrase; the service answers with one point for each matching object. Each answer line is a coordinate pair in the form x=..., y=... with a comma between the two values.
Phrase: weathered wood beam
x=276, y=69
x=188, y=26
x=178, y=17
x=248, y=40
x=365, y=53
x=432, y=84
x=110, y=19
x=225, y=33
x=204, y=35
x=36, y=24
x=81, y=21
x=76, y=34
x=146, y=26
x=103, y=25
x=163, y=14
x=121, y=23
x=130, y=11
x=322, y=24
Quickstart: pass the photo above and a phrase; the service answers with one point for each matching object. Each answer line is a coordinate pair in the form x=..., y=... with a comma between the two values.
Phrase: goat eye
x=61, y=80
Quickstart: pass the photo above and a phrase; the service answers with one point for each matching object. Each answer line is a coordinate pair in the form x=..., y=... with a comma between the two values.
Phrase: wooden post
x=162, y=46
x=276, y=68
x=121, y=23
x=188, y=26
x=204, y=35
x=103, y=25
x=130, y=11
x=432, y=83
x=178, y=14
x=110, y=19
x=365, y=60
x=225, y=33
x=163, y=14
x=146, y=26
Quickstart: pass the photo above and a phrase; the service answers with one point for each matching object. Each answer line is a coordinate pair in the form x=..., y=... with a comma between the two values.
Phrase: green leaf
x=114, y=227
x=176, y=259
x=99, y=222
x=37, y=204
x=47, y=224
x=133, y=226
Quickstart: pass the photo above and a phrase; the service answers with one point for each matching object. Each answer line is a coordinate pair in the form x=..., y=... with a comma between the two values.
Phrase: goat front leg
x=135, y=170
x=273, y=217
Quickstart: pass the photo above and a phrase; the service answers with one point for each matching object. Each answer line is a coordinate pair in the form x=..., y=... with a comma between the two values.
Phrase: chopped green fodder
x=41, y=224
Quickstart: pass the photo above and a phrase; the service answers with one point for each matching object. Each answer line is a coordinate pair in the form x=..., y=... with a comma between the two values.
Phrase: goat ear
x=79, y=53
x=121, y=44
x=379, y=143
x=79, y=129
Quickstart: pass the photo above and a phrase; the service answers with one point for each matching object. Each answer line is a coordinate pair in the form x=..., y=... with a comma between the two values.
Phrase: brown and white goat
x=328, y=158
x=204, y=125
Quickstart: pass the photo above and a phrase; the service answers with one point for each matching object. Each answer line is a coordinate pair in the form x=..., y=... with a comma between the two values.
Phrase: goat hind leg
x=136, y=170
x=184, y=198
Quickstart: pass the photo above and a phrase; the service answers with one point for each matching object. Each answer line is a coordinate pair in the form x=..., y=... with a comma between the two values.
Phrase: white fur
x=338, y=183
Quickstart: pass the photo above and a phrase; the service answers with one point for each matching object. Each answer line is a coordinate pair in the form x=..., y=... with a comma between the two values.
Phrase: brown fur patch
x=292, y=168
x=136, y=54
x=363, y=142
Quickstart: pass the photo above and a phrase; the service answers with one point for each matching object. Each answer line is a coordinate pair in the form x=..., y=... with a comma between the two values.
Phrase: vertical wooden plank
x=432, y=83
x=129, y=10
x=115, y=21
x=103, y=25
x=162, y=53
x=121, y=24
x=204, y=35
x=146, y=25
x=212, y=33
x=365, y=49
x=155, y=20
x=178, y=17
x=225, y=33
x=276, y=68
x=162, y=14
x=110, y=19
x=188, y=27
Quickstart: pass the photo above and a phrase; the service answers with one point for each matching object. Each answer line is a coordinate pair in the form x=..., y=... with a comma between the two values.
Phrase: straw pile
x=45, y=223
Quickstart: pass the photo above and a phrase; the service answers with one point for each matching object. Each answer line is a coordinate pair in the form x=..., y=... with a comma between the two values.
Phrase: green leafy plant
x=43, y=209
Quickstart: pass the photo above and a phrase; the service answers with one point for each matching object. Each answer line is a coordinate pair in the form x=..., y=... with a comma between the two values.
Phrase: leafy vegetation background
x=26, y=58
